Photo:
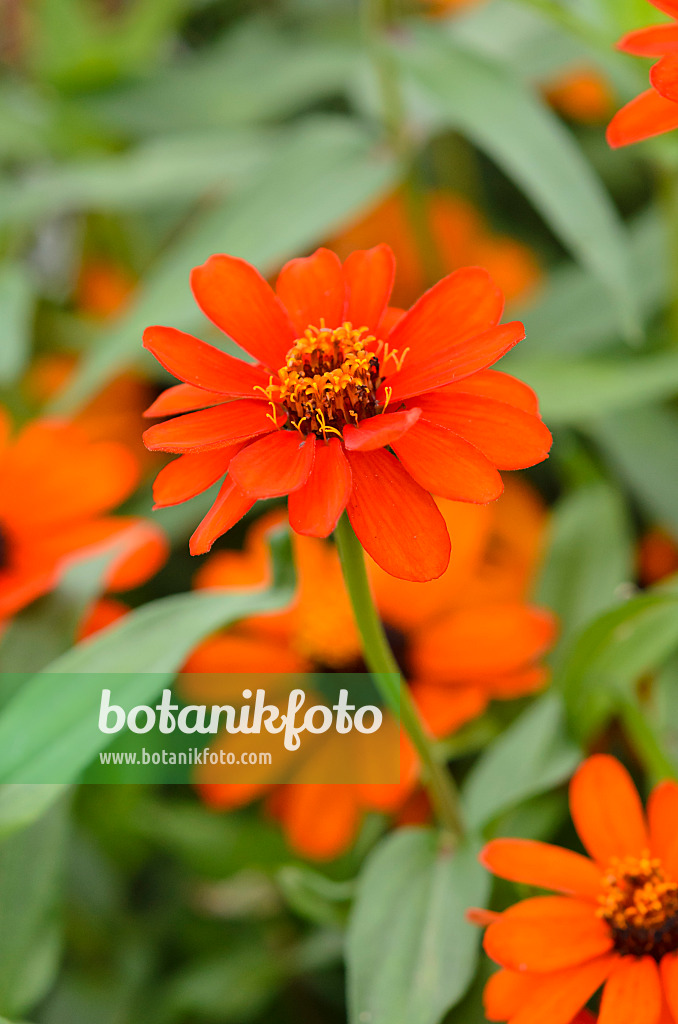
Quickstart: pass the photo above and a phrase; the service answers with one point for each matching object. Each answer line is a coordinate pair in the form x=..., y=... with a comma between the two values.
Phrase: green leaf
x=575, y=391
x=158, y=172
x=46, y=729
x=314, y=896
x=612, y=654
x=21, y=805
x=324, y=171
x=254, y=74
x=16, y=315
x=589, y=556
x=502, y=116
x=533, y=755
x=641, y=446
x=30, y=873
x=411, y=954
x=574, y=314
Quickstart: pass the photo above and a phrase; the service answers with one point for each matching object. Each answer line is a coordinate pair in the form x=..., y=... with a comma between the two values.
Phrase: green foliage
x=411, y=953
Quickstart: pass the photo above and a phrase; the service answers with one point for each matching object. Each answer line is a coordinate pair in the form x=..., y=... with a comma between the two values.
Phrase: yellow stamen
x=640, y=905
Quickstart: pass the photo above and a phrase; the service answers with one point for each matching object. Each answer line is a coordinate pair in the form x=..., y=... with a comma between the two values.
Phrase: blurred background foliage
x=136, y=138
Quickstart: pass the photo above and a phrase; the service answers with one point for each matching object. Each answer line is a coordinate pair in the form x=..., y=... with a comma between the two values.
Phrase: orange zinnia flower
x=581, y=94
x=464, y=640
x=459, y=235
x=340, y=379
x=57, y=487
x=657, y=556
x=655, y=111
x=616, y=922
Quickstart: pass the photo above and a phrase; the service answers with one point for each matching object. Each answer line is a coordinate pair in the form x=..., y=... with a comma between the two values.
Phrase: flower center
x=641, y=907
x=331, y=377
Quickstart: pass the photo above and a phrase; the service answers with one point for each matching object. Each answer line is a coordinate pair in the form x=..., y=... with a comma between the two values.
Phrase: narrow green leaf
x=325, y=170
x=501, y=115
x=641, y=447
x=16, y=316
x=411, y=954
x=589, y=555
x=533, y=755
x=577, y=390
x=612, y=653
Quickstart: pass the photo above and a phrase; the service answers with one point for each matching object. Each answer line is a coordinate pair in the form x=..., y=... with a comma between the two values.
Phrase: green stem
x=376, y=16
x=387, y=676
x=645, y=743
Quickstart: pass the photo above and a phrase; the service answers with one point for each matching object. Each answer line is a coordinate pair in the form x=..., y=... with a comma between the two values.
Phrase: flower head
x=350, y=405
x=615, y=923
x=58, y=487
x=655, y=111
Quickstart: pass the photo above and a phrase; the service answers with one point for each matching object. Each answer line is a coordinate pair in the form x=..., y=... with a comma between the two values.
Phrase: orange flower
x=582, y=94
x=462, y=641
x=655, y=111
x=460, y=236
x=103, y=289
x=615, y=923
x=657, y=556
x=57, y=487
x=340, y=379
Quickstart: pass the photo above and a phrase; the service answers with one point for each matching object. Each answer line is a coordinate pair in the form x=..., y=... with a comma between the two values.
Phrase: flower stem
x=375, y=22
x=645, y=743
x=388, y=678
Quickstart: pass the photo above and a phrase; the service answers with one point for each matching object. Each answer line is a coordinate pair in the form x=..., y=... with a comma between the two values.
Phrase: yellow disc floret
x=330, y=379
x=641, y=907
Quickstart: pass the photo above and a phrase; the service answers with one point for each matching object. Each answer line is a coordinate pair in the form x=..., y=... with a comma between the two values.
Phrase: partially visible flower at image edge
x=352, y=404
x=615, y=924
x=655, y=111
x=58, y=488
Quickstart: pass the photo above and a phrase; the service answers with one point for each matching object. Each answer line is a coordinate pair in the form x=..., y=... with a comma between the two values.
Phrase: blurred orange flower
x=655, y=111
x=103, y=288
x=373, y=419
x=616, y=922
x=657, y=556
x=57, y=488
x=581, y=94
x=464, y=640
x=461, y=238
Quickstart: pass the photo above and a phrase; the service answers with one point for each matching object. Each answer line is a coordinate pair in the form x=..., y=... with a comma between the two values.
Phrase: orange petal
x=211, y=428
x=632, y=994
x=312, y=289
x=232, y=652
x=274, y=465
x=644, y=117
x=664, y=77
x=318, y=826
x=234, y=295
x=315, y=508
x=507, y=436
x=183, y=398
x=561, y=995
x=396, y=521
x=447, y=465
x=497, y=385
x=653, y=41
x=607, y=811
x=369, y=275
x=669, y=976
x=505, y=993
x=461, y=306
x=662, y=814
x=379, y=431
x=202, y=365
x=543, y=865
x=445, y=708
x=479, y=643
x=230, y=506
x=547, y=933
x=667, y=6
x=189, y=475
x=455, y=361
